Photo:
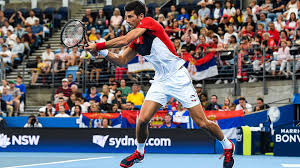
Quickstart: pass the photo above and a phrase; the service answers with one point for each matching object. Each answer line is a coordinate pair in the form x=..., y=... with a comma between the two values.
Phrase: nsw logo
x=4, y=141
x=100, y=140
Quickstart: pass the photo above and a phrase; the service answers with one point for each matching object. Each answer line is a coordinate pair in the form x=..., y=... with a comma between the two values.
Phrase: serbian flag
x=203, y=68
x=138, y=64
x=93, y=120
x=129, y=118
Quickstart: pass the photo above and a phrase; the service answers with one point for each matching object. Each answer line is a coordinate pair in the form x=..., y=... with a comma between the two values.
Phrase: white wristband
x=103, y=53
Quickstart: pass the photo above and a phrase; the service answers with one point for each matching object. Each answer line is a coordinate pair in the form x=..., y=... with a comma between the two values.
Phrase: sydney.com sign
x=114, y=140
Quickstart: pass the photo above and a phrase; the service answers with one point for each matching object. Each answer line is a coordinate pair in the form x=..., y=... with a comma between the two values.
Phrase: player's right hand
x=91, y=46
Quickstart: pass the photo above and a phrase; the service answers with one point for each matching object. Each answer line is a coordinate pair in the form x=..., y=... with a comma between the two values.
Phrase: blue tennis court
x=112, y=160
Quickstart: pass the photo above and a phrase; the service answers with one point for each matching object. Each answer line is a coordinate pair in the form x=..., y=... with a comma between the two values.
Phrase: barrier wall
x=104, y=140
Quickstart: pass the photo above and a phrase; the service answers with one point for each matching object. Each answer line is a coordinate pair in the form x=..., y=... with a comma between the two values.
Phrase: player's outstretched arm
x=121, y=59
x=119, y=41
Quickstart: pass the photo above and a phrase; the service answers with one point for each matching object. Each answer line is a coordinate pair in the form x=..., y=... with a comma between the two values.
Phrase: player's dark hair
x=137, y=6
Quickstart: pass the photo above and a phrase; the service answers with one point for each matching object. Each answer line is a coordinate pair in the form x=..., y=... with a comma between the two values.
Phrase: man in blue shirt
x=37, y=30
x=9, y=101
x=183, y=15
x=168, y=123
x=21, y=86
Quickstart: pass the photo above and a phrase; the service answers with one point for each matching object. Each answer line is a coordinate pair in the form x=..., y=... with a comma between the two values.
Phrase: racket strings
x=73, y=33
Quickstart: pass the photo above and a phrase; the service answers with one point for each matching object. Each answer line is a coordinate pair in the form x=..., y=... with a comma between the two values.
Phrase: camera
x=33, y=121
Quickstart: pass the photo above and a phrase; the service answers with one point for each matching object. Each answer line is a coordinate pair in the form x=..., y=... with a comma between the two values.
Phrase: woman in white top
x=292, y=6
x=73, y=57
x=116, y=19
x=48, y=57
x=279, y=23
x=283, y=59
x=228, y=10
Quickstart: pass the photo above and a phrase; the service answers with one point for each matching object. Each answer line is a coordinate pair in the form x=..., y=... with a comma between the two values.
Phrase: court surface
x=112, y=160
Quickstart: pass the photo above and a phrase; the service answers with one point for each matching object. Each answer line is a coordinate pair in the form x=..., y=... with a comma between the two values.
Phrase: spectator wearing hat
x=5, y=54
x=199, y=89
x=16, y=93
x=47, y=57
x=65, y=89
x=243, y=105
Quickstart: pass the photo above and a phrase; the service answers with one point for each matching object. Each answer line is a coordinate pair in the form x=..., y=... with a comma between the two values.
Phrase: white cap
x=199, y=85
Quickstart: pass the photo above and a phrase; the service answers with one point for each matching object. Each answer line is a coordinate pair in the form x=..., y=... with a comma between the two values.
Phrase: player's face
x=132, y=19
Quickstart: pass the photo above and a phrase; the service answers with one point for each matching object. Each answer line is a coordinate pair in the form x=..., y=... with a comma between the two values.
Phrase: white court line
x=59, y=162
x=290, y=165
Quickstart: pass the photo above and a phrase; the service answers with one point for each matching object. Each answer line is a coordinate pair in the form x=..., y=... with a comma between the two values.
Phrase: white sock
x=226, y=143
x=140, y=148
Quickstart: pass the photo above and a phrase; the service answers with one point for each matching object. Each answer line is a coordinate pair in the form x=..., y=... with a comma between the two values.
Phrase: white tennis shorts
x=179, y=86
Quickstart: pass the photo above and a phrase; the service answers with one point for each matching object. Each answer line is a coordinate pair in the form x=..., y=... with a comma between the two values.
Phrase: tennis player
x=148, y=38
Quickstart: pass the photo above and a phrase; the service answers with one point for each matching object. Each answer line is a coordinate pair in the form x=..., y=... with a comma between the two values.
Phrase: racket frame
x=83, y=37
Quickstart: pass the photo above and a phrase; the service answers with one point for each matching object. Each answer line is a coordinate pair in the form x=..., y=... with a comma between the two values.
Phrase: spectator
x=105, y=106
x=92, y=36
x=3, y=107
x=124, y=89
x=4, y=85
x=15, y=92
x=93, y=96
x=62, y=54
x=111, y=33
x=73, y=57
x=8, y=100
x=19, y=84
x=173, y=11
x=40, y=69
x=101, y=20
x=217, y=12
x=7, y=27
x=75, y=91
x=189, y=46
x=157, y=13
x=292, y=6
x=105, y=91
x=119, y=100
x=105, y=123
x=260, y=105
x=31, y=19
x=64, y=88
x=199, y=89
x=229, y=33
x=19, y=31
x=99, y=38
x=2, y=18
x=77, y=111
x=162, y=20
x=85, y=18
x=243, y=105
x=116, y=19
x=71, y=100
x=70, y=80
x=80, y=103
x=267, y=7
x=203, y=98
x=30, y=40
x=62, y=112
x=183, y=16
x=115, y=109
x=17, y=50
x=37, y=30
x=279, y=23
x=283, y=59
x=32, y=122
x=47, y=57
x=204, y=12
x=229, y=10
x=16, y=18
x=48, y=110
x=168, y=122
x=59, y=67
x=62, y=102
x=213, y=105
x=274, y=34
x=113, y=87
x=278, y=8
x=228, y=105
x=135, y=97
x=6, y=54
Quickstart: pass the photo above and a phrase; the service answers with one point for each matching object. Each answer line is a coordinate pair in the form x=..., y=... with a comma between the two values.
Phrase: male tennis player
x=148, y=38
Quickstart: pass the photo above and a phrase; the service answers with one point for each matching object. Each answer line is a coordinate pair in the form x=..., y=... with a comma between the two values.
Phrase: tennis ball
x=87, y=56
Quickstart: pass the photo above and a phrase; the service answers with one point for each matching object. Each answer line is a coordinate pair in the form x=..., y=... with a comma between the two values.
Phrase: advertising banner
x=116, y=140
x=287, y=141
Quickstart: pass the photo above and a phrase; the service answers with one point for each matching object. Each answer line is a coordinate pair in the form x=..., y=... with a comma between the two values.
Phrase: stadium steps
x=31, y=110
x=54, y=41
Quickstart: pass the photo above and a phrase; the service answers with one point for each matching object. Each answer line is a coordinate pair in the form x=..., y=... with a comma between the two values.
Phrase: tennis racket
x=73, y=33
